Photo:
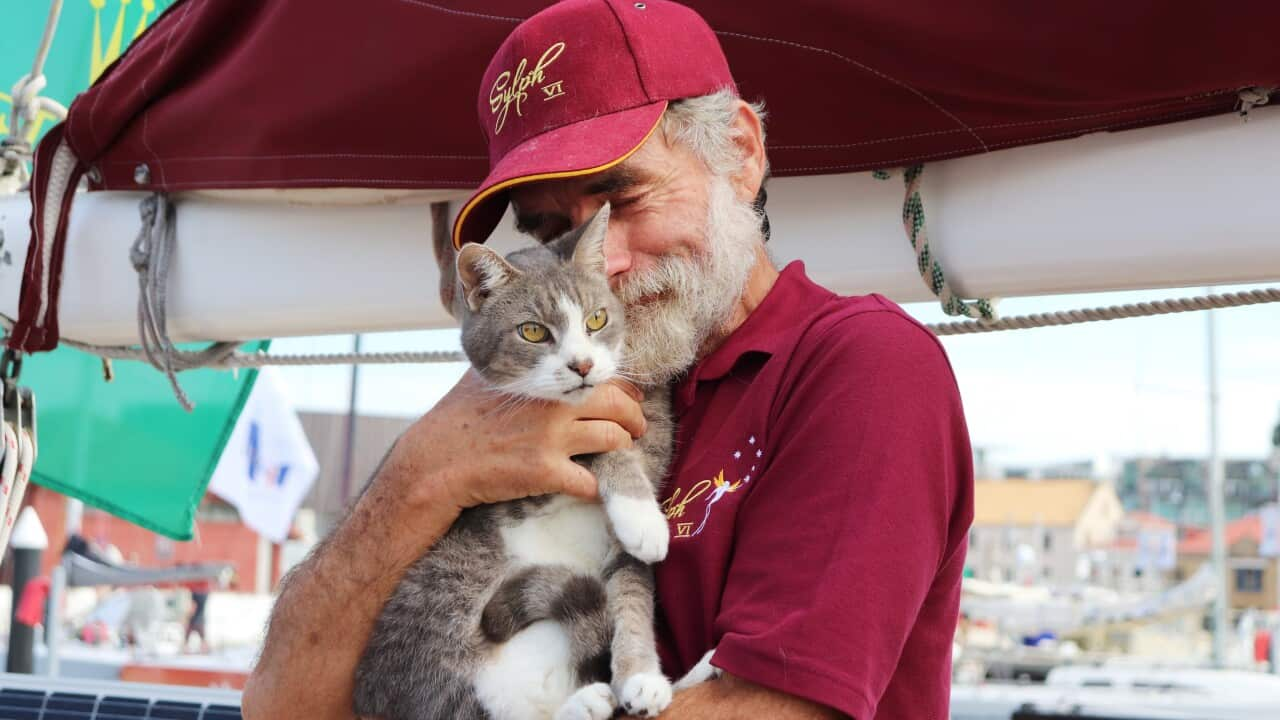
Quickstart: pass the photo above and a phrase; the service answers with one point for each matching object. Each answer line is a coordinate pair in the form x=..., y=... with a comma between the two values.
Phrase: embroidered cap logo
x=513, y=88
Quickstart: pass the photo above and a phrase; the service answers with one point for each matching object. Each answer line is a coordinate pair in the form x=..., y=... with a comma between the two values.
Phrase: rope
x=1114, y=312
x=150, y=256
x=236, y=360
x=15, y=149
x=1252, y=97
x=913, y=221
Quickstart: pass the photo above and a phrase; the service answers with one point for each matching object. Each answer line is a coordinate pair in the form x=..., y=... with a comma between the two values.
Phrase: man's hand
x=486, y=447
x=473, y=447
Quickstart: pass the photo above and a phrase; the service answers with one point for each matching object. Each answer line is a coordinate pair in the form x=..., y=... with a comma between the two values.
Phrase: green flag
x=125, y=446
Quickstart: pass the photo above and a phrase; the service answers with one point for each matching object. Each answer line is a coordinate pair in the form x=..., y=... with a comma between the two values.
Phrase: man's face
x=680, y=247
x=658, y=200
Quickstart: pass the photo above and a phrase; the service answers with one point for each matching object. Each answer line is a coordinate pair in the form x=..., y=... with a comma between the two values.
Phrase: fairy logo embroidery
x=710, y=492
x=513, y=88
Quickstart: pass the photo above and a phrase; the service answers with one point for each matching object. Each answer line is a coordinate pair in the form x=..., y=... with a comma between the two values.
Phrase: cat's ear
x=588, y=254
x=481, y=271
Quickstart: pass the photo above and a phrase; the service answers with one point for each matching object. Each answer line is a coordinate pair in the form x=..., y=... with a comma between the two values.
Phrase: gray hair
x=704, y=124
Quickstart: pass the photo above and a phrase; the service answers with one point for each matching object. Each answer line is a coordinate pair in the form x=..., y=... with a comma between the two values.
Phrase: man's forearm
x=731, y=698
x=328, y=605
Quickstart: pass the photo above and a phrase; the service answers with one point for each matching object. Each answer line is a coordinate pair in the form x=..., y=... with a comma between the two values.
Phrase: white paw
x=590, y=702
x=699, y=673
x=640, y=526
x=645, y=694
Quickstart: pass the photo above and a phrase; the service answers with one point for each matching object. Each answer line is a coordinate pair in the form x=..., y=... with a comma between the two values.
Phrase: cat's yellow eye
x=533, y=332
x=597, y=320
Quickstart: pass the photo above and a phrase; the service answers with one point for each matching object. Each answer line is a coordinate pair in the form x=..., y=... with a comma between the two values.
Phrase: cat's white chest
x=565, y=531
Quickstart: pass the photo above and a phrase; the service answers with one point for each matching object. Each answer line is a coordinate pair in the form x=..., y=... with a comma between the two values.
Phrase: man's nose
x=617, y=256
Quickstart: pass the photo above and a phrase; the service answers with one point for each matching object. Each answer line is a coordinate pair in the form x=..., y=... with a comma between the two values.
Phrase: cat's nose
x=582, y=367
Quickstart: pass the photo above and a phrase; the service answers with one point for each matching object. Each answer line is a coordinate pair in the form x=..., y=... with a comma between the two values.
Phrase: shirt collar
x=768, y=329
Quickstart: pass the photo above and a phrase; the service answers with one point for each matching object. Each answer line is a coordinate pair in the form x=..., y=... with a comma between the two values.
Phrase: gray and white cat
x=540, y=607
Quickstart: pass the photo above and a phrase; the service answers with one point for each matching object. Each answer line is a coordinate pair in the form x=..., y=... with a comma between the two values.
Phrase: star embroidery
x=737, y=454
x=759, y=453
x=752, y=439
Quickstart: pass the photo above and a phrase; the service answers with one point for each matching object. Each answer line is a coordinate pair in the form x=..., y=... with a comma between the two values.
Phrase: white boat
x=1109, y=211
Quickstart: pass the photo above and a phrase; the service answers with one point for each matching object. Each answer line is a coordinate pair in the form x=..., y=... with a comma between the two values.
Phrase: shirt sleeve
x=839, y=542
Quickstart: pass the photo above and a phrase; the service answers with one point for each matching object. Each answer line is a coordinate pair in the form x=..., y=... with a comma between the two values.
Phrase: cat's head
x=542, y=322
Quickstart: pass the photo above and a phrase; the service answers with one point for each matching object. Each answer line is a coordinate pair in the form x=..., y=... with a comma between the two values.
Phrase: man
x=822, y=490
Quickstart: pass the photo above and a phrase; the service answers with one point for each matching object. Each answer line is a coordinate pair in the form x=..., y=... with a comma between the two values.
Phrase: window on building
x=1249, y=580
x=1048, y=541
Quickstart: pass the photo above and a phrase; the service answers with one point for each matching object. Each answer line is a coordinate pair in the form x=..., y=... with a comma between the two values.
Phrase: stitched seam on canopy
x=952, y=153
x=1000, y=126
x=303, y=156
x=93, y=109
x=866, y=68
x=146, y=111
x=464, y=13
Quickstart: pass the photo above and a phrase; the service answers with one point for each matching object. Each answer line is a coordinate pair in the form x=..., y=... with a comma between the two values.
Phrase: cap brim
x=581, y=148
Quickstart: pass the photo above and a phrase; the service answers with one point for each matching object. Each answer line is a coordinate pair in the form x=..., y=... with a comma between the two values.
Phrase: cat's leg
x=577, y=602
x=638, y=682
x=629, y=501
x=699, y=673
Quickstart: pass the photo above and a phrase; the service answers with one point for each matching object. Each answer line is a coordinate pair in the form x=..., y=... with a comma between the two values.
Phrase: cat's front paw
x=645, y=694
x=640, y=526
x=591, y=702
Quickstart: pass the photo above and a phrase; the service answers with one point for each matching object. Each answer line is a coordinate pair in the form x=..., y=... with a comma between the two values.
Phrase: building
x=1143, y=556
x=1253, y=578
x=219, y=537
x=1040, y=531
x=1176, y=488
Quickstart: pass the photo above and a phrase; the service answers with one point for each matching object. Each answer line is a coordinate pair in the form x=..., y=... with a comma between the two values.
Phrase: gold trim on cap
x=522, y=179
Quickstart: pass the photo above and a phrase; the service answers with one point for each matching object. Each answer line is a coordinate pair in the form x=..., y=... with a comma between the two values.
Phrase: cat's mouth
x=583, y=387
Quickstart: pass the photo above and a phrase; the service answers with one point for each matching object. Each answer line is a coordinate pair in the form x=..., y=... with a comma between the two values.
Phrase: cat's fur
x=542, y=605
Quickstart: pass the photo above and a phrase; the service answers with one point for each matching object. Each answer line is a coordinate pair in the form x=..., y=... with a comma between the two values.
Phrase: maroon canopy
x=381, y=93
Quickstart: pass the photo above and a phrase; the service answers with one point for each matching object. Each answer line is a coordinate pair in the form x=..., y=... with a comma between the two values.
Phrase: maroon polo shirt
x=819, y=506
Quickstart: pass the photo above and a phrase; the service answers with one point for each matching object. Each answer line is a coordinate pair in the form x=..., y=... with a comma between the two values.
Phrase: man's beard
x=676, y=307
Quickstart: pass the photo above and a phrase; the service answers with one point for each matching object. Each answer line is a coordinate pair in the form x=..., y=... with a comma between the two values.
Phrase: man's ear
x=481, y=271
x=748, y=136
x=588, y=254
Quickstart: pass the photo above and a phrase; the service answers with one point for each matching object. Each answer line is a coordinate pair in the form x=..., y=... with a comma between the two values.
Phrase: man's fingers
x=628, y=388
x=596, y=436
x=610, y=402
x=579, y=482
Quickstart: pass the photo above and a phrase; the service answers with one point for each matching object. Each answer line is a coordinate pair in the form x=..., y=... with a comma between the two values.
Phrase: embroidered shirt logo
x=713, y=490
x=512, y=88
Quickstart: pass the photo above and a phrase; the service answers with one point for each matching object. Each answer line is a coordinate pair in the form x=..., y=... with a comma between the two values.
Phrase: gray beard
x=698, y=295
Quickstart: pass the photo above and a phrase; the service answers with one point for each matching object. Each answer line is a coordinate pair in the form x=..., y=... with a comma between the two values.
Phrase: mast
x=1217, y=513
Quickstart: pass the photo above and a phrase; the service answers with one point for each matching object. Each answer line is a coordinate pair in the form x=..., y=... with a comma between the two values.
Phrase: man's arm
x=732, y=698
x=470, y=449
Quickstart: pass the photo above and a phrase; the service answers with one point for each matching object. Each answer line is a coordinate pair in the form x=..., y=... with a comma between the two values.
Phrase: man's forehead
x=544, y=192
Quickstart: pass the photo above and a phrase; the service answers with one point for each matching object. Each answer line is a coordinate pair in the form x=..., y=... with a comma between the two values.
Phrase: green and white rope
x=1114, y=312
x=913, y=221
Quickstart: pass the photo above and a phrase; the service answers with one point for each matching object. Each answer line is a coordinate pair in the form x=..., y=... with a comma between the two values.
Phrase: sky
x=1098, y=391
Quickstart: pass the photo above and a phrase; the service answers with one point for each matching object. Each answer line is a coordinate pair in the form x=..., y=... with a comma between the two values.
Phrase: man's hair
x=704, y=124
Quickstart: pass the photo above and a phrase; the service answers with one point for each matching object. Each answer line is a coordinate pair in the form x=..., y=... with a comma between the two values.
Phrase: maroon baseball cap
x=578, y=88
